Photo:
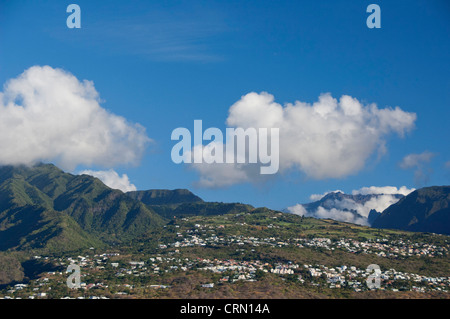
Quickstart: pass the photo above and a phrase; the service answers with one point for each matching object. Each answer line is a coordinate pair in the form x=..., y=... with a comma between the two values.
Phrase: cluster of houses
x=234, y=270
x=394, y=249
x=203, y=235
x=244, y=270
x=169, y=260
x=338, y=277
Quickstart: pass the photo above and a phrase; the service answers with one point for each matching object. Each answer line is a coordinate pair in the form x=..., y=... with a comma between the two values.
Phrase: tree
x=259, y=274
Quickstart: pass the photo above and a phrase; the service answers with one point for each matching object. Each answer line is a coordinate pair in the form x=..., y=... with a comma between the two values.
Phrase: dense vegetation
x=164, y=196
x=426, y=210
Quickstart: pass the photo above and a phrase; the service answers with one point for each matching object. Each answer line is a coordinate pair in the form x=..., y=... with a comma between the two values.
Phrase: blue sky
x=163, y=64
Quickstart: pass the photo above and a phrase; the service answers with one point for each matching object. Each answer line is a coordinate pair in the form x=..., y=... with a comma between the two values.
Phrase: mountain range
x=43, y=207
x=329, y=199
x=423, y=210
x=45, y=211
x=348, y=203
x=357, y=208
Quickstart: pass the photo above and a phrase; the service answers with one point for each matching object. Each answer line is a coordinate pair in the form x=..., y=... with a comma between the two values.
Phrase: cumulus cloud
x=327, y=139
x=419, y=164
x=416, y=160
x=111, y=179
x=328, y=213
x=352, y=210
x=219, y=175
x=340, y=215
x=47, y=114
x=387, y=190
x=298, y=209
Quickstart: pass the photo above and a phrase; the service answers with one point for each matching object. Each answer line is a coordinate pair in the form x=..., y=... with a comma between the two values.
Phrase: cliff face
x=425, y=210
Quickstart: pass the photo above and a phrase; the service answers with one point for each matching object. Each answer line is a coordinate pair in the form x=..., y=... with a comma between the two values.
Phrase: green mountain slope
x=425, y=210
x=32, y=227
x=200, y=209
x=105, y=212
x=43, y=207
x=164, y=196
x=182, y=202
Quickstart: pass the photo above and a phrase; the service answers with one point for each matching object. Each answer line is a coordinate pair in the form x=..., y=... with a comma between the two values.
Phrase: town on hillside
x=215, y=260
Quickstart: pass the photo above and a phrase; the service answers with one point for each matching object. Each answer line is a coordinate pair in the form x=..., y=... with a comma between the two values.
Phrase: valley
x=170, y=244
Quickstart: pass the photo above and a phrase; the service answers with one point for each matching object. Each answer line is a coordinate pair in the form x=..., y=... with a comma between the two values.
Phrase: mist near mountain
x=361, y=207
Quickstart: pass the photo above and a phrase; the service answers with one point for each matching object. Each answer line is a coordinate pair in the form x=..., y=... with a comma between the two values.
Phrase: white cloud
x=327, y=139
x=340, y=215
x=298, y=209
x=383, y=190
x=418, y=163
x=416, y=160
x=324, y=213
x=338, y=209
x=47, y=114
x=218, y=175
x=111, y=179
